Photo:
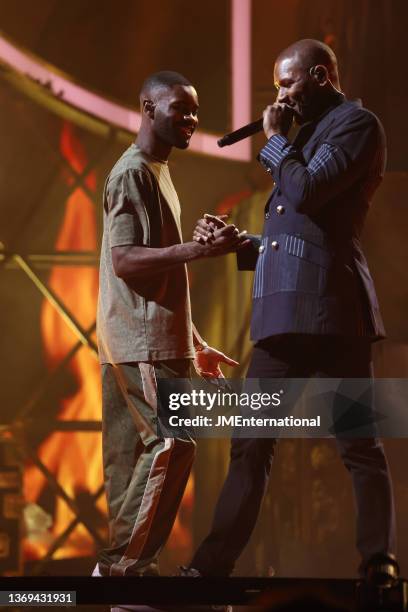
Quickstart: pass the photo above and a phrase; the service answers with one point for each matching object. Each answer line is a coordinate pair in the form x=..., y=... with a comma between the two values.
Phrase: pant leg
x=237, y=507
x=372, y=486
x=364, y=458
x=301, y=357
x=239, y=503
x=145, y=474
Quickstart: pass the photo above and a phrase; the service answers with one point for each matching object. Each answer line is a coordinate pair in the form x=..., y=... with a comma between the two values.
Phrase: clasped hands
x=220, y=238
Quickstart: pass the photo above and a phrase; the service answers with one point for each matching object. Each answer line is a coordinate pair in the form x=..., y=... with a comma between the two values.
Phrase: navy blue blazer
x=311, y=276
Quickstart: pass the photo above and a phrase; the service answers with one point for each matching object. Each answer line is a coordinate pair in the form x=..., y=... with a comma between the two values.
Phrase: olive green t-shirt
x=142, y=320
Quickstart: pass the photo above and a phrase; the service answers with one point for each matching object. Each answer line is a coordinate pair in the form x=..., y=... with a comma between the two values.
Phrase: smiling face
x=298, y=89
x=175, y=115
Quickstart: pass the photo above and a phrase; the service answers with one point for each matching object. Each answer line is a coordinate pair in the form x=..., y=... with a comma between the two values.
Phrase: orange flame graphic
x=74, y=458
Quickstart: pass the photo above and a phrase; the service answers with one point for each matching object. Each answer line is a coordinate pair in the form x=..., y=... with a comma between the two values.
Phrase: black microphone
x=244, y=132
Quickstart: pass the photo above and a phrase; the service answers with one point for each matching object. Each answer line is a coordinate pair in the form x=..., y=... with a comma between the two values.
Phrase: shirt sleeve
x=127, y=220
x=342, y=159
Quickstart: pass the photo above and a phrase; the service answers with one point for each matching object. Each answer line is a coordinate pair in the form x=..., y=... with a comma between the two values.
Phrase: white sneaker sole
x=96, y=573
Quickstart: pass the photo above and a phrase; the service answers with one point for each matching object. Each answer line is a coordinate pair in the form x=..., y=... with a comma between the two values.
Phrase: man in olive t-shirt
x=142, y=319
x=145, y=330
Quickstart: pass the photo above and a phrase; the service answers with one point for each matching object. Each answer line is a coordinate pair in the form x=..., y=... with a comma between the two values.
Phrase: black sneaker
x=382, y=570
x=189, y=572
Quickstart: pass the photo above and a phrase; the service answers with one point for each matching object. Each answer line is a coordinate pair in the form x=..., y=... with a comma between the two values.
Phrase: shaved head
x=309, y=52
x=306, y=77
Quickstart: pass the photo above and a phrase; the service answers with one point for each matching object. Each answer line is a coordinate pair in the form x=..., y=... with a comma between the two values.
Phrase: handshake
x=218, y=238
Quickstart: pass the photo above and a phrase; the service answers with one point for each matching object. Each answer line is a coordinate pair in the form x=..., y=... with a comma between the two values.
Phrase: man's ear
x=148, y=108
x=320, y=74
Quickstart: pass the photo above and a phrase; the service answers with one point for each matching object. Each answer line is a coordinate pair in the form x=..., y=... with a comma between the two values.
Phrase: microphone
x=244, y=132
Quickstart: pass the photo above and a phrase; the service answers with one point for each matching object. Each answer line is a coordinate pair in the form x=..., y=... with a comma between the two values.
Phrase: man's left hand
x=207, y=362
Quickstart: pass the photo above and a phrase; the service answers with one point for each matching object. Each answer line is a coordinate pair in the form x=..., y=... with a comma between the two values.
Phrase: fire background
x=54, y=157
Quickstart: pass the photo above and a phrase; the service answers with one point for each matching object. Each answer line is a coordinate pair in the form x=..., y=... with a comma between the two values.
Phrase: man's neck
x=332, y=98
x=151, y=146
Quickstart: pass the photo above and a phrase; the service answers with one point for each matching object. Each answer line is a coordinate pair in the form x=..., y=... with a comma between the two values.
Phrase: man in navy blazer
x=315, y=310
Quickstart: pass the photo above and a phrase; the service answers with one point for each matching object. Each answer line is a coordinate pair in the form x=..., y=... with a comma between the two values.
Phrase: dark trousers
x=251, y=459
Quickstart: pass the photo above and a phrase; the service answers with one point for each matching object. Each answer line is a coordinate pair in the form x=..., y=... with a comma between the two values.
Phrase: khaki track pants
x=145, y=473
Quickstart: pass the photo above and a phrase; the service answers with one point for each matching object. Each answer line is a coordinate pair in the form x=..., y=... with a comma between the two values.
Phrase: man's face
x=176, y=115
x=298, y=89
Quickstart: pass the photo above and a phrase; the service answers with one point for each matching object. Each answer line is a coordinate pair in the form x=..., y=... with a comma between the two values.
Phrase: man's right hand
x=205, y=227
x=277, y=119
x=141, y=262
x=218, y=237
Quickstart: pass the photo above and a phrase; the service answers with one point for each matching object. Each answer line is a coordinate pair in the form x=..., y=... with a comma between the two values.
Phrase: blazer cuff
x=248, y=256
x=276, y=149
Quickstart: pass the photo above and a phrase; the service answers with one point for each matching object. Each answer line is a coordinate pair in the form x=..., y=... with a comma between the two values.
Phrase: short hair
x=164, y=78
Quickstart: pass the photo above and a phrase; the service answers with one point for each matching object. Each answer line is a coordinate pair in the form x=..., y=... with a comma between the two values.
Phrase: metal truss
x=17, y=430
